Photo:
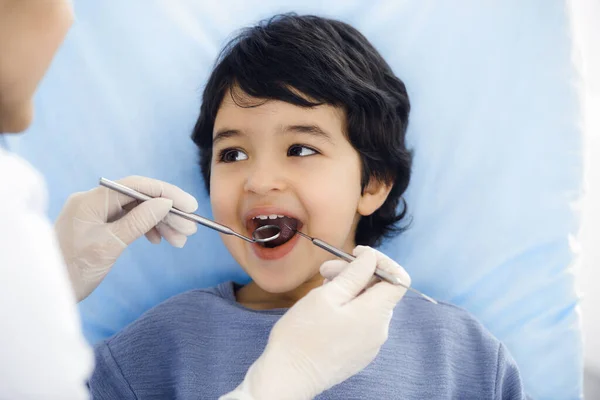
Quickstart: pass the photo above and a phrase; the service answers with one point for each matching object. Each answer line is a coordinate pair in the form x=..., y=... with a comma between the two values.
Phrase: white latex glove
x=331, y=334
x=95, y=227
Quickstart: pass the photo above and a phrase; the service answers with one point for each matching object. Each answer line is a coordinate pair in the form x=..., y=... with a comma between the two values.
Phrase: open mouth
x=287, y=228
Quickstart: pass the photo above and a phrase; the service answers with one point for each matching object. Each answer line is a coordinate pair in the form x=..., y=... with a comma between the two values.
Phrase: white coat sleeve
x=43, y=354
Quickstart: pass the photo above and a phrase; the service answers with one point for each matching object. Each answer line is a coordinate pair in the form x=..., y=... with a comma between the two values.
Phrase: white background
x=586, y=14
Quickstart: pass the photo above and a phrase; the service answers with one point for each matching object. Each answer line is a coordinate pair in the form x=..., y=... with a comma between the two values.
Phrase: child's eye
x=232, y=155
x=298, y=150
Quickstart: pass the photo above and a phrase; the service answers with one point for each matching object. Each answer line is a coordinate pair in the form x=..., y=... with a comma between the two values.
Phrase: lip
x=276, y=253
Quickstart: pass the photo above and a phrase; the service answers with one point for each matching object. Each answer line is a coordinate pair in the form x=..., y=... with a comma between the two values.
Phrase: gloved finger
x=383, y=293
x=153, y=236
x=386, y=264
x=332, y=268
x=353, y=279
x=181, y=225
x=392, y=267
x=174, y=238
x=140, y=220
x=153, y=188
x=358, y=250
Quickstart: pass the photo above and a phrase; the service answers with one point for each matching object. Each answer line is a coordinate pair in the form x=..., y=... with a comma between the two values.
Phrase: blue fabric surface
x=494, y=127
x=201, y=343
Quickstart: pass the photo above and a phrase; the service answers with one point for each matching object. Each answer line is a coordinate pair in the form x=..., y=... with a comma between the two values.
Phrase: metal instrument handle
x=189, y=216
x=378, y=272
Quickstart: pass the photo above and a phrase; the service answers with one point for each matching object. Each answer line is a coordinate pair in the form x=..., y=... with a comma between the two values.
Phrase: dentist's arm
x=96, y=226
x=329, y=335
x=43, y=354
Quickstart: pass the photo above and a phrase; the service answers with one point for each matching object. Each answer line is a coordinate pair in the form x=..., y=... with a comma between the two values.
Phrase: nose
x=265, y=176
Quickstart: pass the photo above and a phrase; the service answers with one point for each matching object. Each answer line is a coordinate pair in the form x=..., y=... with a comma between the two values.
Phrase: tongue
x=287, y=228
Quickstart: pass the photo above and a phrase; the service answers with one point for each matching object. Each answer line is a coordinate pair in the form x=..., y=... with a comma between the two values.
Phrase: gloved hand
x=331, y=334
x=95, y=227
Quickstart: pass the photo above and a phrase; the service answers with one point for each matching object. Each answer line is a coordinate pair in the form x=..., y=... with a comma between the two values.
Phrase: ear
x=373, y=197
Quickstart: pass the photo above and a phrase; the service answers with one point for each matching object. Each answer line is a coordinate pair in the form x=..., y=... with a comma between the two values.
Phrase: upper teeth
x=272, y=216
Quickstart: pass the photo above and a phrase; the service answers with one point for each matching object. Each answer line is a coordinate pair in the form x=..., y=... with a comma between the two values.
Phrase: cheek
x=332, y=199
x=222, y=198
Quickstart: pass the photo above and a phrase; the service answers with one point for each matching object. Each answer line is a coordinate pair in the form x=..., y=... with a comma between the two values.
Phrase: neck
x=253, y=297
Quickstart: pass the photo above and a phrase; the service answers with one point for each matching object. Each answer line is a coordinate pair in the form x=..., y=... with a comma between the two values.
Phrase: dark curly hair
x=329, y=62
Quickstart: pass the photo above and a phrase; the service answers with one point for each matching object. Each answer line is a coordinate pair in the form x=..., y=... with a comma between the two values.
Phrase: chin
x=277, y=284
x=16, y=119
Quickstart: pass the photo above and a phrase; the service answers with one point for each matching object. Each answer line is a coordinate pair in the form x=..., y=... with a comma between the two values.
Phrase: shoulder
x=194, y=301
x=185, y=311
x=157, y=342
x=23, y=185
x=448, y=336
x=443, y=321
x=455, y=348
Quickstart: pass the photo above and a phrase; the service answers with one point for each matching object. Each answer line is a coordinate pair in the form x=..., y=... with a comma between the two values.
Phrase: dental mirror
x=266, y=233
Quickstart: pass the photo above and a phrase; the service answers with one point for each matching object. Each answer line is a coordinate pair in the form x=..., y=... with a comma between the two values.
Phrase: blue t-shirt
x=199, y=345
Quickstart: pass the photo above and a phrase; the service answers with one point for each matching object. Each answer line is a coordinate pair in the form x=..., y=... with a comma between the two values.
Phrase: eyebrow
x=226, y=133
x=312, y=130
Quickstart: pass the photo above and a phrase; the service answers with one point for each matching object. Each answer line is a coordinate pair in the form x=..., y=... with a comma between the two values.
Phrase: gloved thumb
x=353, y=279
x=141, y=219
x=332, y=268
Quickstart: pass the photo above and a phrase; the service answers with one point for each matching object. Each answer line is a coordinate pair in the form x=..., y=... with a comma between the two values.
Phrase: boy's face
x=280, y=159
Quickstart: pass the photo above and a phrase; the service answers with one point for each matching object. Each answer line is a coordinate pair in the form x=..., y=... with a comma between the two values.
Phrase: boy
x=302, y=125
